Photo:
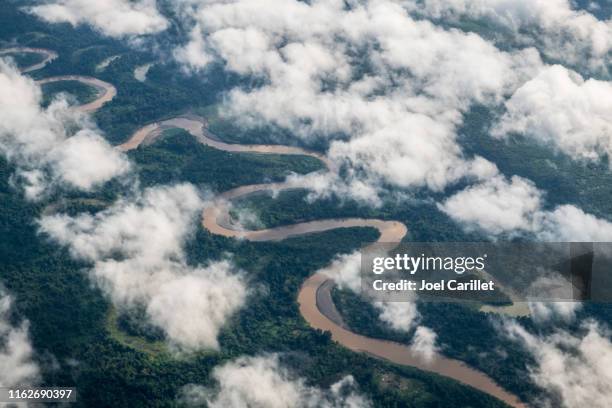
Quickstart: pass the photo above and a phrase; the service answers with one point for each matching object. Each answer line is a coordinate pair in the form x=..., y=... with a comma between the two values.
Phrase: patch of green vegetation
x=110, y=366
x=25, y=59
x=587, y=185
x=153, y=348
x=81, y=93
x=178, y=157
x=405, y=388
x=506, y=362
x=425, y=223
x=88, y=53
x=76, y=206
x=231, y=132
x=163, y=95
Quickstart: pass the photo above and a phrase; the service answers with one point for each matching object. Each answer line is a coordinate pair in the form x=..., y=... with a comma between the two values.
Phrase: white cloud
x=344, y=270
x=560, y=108
x=568, y=223
x=194, y=54
x=546, y=311
x=103, y=162
x=324, y=184
x=136, y=248
x=263, y=382
x=141, y=71
x=394, y=86
x=562, y=33
x=400, y=316
x=424, y=343
x=56, y=145
x=502, y=206
x=16, y=365
x=575, y=368
x=115, y=18
x=496, y=206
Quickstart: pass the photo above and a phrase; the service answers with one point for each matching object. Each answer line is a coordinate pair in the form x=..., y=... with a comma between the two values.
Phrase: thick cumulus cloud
x=136, y=248
x=17, y=367
x=560, y=108
x=44, y=144
x=562, y=33
x=496, y=206
x=515, y=206
x=263, y=382
x=115, y=18
x=576, y=369
x=568, y=223
x=385, y=90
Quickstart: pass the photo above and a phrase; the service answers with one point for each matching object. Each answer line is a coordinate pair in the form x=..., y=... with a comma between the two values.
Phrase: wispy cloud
x=17, y=367
x=575, y=369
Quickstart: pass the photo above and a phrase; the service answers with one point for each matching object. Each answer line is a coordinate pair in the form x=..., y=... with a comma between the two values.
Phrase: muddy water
x=315, y=290
x=48, y=56
x=105, y=90
x=139, y=137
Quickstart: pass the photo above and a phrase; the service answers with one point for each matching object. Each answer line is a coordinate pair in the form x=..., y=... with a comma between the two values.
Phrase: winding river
x=314, y=296
x=315, y=291
x=48, y=56
x=106, y=91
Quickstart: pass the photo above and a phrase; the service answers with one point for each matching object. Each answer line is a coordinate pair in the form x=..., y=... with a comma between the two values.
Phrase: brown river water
x=47, y=54
x=106, y=91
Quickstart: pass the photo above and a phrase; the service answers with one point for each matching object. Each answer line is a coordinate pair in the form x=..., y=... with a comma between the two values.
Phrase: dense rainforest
x=115, y=360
